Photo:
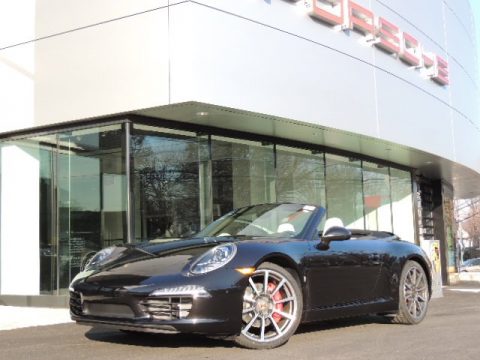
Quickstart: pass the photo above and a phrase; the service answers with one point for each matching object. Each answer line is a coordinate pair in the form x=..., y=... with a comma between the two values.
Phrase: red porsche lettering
x=361, y=19
x=330, y=11
x=410, y=51
x=347, y=14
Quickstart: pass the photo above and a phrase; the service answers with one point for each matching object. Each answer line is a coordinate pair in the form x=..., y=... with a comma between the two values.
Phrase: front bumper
x=194, y=326
x=218, y=314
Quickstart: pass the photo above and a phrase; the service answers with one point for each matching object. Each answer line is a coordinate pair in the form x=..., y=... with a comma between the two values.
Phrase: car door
x=344, y=274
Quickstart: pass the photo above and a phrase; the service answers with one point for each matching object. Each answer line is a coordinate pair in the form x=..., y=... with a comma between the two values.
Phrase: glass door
x=92, y=196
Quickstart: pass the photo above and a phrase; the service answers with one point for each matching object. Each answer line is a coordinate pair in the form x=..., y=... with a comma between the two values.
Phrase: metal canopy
x=466, y=182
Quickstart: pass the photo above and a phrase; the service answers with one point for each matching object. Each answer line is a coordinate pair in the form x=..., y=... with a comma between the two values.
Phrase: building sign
x=378, y=31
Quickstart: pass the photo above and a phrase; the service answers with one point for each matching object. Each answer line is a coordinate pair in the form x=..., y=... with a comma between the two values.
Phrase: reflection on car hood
x=130, y=253
x=193, y=246
x=136, y=264
x=142, y=263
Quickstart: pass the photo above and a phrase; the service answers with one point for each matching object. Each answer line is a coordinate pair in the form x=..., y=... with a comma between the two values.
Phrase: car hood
x=154, y=262
x=133, y=264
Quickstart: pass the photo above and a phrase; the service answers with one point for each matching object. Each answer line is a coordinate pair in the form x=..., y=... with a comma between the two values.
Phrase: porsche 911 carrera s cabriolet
x=254, y=275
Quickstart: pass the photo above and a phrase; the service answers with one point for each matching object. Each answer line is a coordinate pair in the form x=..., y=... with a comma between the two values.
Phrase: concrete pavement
x=13, y=317
x=451, y=330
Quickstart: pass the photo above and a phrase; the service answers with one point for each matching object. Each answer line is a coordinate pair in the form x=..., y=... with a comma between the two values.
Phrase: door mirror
x=334, y=233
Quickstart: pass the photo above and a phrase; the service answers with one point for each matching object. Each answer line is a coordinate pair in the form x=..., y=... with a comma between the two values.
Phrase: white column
x=19, y=221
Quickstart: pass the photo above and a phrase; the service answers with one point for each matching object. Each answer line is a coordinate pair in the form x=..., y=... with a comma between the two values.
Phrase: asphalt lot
x=450, y=331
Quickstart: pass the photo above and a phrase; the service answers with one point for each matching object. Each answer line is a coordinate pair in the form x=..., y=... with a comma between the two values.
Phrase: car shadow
x=342, y=323
x=155, y=340
x=191, y=340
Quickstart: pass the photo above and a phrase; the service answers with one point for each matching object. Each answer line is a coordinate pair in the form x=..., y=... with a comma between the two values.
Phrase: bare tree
x=166, y=177
x=467, y=215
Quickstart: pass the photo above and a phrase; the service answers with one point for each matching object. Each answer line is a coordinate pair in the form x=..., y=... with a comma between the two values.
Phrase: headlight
x=101, y=257
x=214, y=258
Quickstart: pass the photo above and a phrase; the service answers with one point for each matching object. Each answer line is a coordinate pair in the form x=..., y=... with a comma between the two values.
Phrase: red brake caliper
x=276, y=316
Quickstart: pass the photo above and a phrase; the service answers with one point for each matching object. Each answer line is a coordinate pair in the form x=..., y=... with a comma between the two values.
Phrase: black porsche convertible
x=254, y=275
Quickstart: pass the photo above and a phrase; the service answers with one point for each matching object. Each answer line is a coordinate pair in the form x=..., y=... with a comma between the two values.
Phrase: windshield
x=272, y=220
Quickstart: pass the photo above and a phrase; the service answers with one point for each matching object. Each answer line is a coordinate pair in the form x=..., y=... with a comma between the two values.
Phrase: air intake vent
x=168, y=307
x=76, y=303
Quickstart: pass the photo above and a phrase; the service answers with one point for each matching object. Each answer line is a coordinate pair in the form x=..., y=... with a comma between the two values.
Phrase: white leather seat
x=285, y=227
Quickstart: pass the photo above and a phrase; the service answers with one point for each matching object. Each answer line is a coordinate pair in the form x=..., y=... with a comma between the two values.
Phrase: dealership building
x=127, y=120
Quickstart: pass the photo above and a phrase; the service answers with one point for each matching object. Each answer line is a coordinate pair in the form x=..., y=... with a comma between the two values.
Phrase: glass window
x=180, y=181
x=92, y=195
x=168, y=167
x=243, y=173
x=300, y=176
x=402, y=204
x=48, y=244
x=376, y=197
x=344, y=190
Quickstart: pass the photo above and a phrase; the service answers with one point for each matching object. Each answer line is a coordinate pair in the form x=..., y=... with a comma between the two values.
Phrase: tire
x=413, y=295
x=272, y=313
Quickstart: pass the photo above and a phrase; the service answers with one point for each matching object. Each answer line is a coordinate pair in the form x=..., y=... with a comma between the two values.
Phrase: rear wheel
x=272, y=308
x=413, y=295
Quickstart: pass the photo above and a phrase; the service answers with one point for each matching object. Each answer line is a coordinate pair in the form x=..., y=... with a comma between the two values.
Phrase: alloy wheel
x=415, y=292
x=269, y=306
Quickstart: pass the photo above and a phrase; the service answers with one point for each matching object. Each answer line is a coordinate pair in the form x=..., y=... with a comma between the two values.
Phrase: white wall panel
x=465, y=94
x=292, y=17
x=425, y=16
x=236, y=63
x=467, y=138
x=56, y=16
x=106, y=69
x=433, y=44
x=411, y=117
x=17, y=22
x=461, y=44
x=462, y=10
x=17, y=77
x=17, y=64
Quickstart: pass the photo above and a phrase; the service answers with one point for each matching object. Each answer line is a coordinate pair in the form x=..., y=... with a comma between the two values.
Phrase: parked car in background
x=470, y=265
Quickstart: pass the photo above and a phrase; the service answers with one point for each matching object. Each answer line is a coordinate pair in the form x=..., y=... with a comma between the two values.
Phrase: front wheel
x=413, y=294
x=272, y=308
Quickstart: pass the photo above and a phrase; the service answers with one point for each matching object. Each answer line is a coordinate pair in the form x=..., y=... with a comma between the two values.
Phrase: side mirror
x=334, y=233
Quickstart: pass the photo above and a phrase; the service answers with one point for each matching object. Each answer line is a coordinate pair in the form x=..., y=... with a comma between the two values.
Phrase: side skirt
x=352, y=309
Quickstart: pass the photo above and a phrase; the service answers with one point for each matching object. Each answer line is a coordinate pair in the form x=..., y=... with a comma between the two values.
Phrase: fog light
x=185, y=290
